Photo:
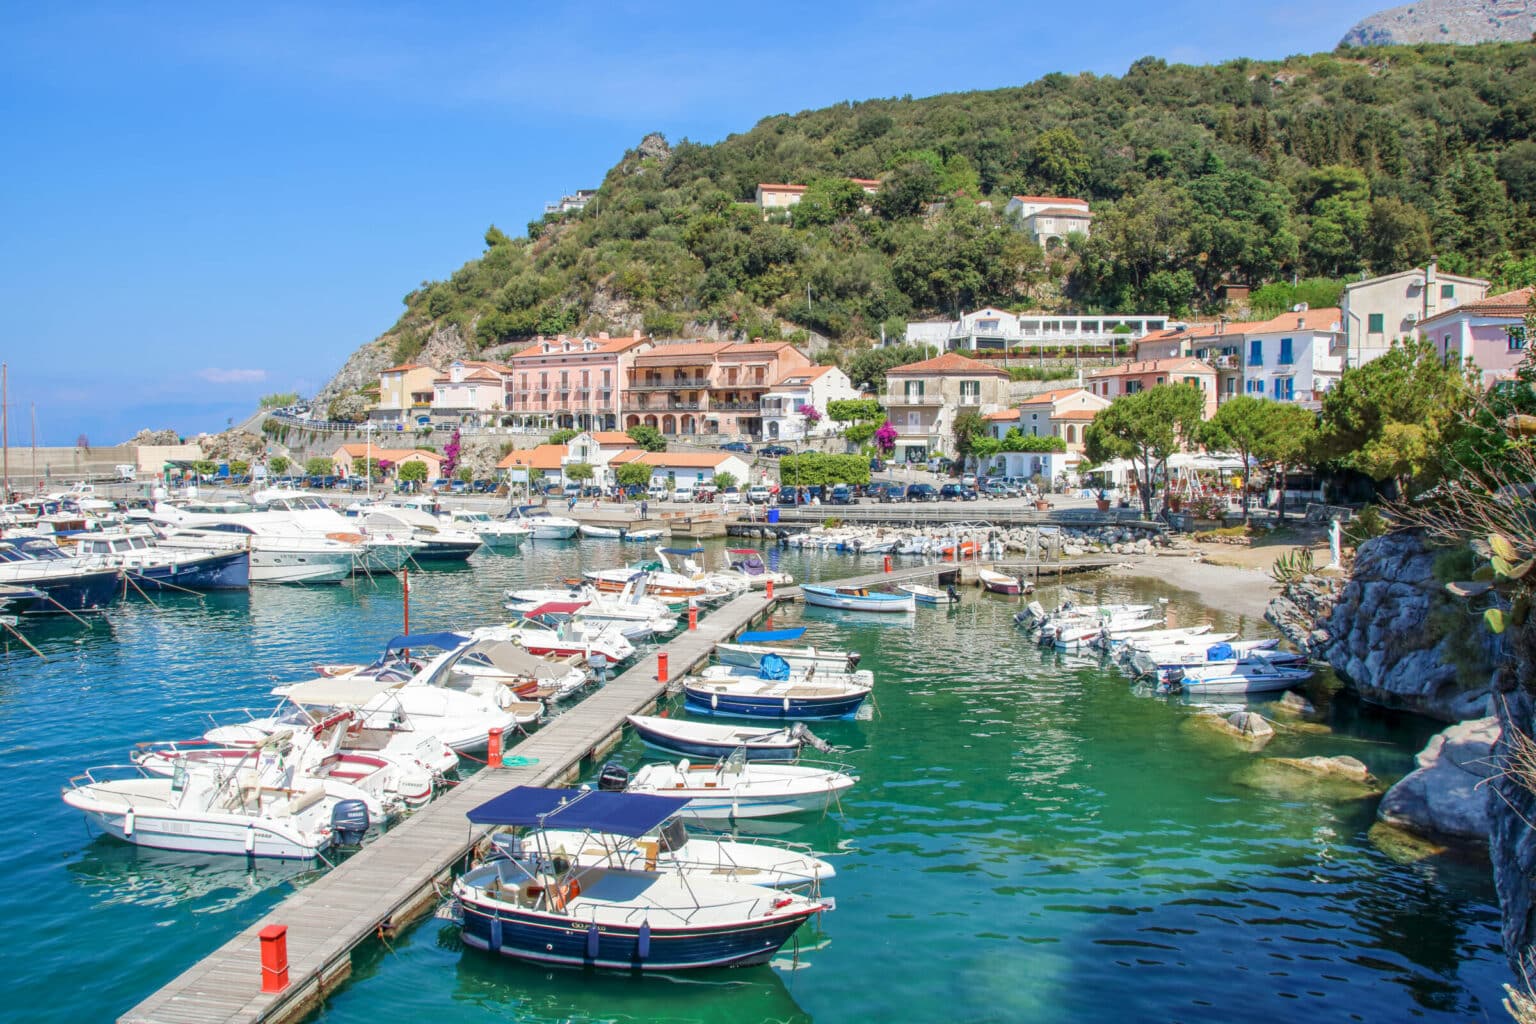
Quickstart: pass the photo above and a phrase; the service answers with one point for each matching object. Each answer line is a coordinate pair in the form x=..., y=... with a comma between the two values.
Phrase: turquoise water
x=1029, y=840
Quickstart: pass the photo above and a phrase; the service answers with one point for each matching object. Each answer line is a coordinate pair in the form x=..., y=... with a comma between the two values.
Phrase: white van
x=684, y=490
x=657, y=491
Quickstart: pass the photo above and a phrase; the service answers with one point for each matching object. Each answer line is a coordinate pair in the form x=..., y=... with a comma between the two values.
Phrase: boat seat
x=306, y=799
x=650, y=849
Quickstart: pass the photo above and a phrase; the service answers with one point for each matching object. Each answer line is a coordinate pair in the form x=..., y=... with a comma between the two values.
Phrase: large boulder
x=1444, y=795
x=1248, y=728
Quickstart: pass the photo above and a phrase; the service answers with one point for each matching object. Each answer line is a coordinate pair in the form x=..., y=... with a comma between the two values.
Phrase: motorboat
x=398, y=740
x=607, y=611
x=1254, y=674
x=712, y=741
x=750, y=648
x=632, y=600
x=386, y=548
x=857, y=599
x=924, y=594
x=736, y=787
x=1033, y=615
x=439, y=541
x=281, y=549
x=803, y=695
x=1165, y=660
x=1000, y=582
x=640, y=536
x=137, y=554
x=547, y=909
x=255, y=811
x=66, y=583
x=672, y=848
x=502, y=535
x=747, y=565
x=1071, y=634
x=1193, y=636
x=549, y=629
x=543, y=524
x=680, y=582
x=382, y=785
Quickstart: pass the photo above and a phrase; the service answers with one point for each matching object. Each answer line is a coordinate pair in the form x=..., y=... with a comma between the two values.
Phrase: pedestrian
x=645, y=508
x=570, y=505
x=595, y=499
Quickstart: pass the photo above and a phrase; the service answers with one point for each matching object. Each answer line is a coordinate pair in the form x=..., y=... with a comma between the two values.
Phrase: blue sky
x=206, y=203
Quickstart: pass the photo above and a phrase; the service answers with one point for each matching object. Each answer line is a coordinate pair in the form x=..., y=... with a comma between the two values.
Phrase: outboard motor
x=505, y=846
x=800, y=732
x=954, y=595
x=853, y=659
x=349, y=821
x=613, y=779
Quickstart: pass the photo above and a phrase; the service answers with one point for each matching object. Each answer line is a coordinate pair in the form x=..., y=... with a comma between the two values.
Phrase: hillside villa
x=1488, y=333
x=923, y=398
x=1112, y=382
x=804, y=387
x=1378, y=311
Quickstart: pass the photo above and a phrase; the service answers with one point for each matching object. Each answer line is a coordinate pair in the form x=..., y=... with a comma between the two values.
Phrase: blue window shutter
x=1285, y=351
x=1255, y=353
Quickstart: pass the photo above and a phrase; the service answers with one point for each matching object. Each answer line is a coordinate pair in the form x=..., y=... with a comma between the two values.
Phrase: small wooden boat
x=857, y=599
x=1000, y=582
x=925, y=594
x=712, y=741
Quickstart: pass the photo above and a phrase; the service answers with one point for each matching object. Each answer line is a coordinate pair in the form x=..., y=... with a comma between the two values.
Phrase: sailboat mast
x=5, y=430
x=34, y=440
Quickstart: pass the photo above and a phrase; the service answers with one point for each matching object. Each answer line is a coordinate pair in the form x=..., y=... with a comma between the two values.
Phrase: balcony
x=735, y=407
x=1226, y=362
x=638, y=405
x=893, y=398
x=675, y=384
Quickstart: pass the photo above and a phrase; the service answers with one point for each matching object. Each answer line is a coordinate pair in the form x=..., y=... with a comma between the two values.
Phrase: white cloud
x=216, y=376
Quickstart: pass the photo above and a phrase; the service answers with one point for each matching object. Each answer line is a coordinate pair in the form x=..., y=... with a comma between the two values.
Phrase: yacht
x=281, y=551
x=439, y=542
x=385, y=549
x=543, y=524
x=501, y=535
x=66, y=582
x=146, y=565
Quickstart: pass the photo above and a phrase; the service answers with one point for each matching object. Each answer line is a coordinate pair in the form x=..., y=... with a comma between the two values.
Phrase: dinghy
x=1254, y=674
x=808, y=694
x=857, y=599
x=925, y=594
x=1000, y=582
x=712, y=741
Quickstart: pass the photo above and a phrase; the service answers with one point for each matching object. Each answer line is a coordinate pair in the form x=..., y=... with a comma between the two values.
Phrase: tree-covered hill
x=1362, y=160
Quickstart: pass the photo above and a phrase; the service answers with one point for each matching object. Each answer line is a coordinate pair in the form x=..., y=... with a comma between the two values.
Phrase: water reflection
x=116, y=873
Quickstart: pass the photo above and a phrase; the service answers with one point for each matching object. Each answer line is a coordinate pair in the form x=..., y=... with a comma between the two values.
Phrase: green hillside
x=1324, y=166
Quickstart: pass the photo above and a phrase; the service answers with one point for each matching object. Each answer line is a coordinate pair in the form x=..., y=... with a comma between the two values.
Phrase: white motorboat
x=145, y=565
x=543, y=524
x=632, y=599
x=749, y=649
x=1192, y=636
x=281, y=549
x=1164, y=660
x=1253, y=674
x=671, y=848
x=253, y=812
x=439, y=541
x=663, y=580
x=399, y=742
x=601, y=532
x=385, y=548
x=1033, y=615
x=712, y=740
x=1001, y=582
x=502, y=535
x=548, y=629
x=737, y=787
x=1074, y=633
x=747, y=566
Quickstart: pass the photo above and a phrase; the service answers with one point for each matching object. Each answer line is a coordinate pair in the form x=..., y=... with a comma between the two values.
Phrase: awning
x=769, y=636
x=625, y=814
x=682, y=551
x=338, y=692
x=442, y=641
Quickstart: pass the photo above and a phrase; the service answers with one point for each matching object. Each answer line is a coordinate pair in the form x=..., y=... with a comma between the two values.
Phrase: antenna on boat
x=5, y=432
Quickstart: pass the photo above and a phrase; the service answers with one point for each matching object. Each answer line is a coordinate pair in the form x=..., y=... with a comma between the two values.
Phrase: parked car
x=922, y=492
x=741, y=447
x=951, y=492
x=775, y=451
x=969, y=479
x=876, y=465
x=787, y=496
x=731, y=496
x=997, y=489
x=759, y=495
x=657, y=491
x=842, y=494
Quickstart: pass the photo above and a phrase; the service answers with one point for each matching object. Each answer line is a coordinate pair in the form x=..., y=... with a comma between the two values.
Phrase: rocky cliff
x=1446, y=21
x=1392, y=633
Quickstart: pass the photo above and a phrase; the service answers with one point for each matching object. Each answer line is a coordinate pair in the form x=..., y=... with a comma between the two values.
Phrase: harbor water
x=1029, y=841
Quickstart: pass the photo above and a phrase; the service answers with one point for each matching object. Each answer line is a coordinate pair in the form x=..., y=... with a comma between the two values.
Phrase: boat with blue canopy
x=749, y=648
x=547, y=906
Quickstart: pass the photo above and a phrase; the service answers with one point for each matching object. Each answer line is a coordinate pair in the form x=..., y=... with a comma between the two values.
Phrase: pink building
x=572, y=383
x=1490, y=333
x=1130, y=378
x=706, y=387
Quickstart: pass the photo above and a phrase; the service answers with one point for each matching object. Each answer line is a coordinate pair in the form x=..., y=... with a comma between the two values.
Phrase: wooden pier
x=403, y=874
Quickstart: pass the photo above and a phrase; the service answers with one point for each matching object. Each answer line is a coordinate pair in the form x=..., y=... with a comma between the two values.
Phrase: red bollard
x=693, y=616
x=770, y=590
x=493, y=749
x=887, y=563
x=661, y=667
x=274, y=957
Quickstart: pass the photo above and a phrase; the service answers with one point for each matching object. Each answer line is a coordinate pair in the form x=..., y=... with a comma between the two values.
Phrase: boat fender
x=643, y=943
x=592, y=940
x=505, y=697
x=250, y=839
x=714, y=701
x=786, y=705
x=128, y=824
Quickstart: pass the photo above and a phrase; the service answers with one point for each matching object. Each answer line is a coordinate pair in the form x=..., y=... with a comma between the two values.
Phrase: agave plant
x=1505, y=576
x=1294, y=566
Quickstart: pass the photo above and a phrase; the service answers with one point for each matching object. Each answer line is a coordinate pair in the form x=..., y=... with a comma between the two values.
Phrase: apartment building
x=922, y=400
x=706, y=387
x=1378, y=311
x=572, y=383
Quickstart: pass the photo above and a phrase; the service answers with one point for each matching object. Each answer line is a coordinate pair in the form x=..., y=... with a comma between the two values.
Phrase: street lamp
x=368, y=429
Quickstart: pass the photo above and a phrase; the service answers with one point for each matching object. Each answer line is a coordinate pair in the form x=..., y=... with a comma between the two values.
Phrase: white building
x=597, y=448
x=1050, y=219
x=998, y=330
x=686, y=468
x=1296, y=357
x=812, y=386
x=1382, y=310
x=577, y=200
x=470, y=386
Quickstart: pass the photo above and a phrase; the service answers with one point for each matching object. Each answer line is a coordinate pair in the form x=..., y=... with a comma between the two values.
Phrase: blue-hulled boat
x=67, y=584
x=149, y=567
x=710, y=741
x=777, y=692
x=857, y=599
x=542, y=907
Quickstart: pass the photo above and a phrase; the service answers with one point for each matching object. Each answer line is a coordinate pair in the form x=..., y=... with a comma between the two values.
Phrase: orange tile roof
x=1329, y=318
x=685, y=460
x=1515, y=303
x=1051, y=396
x=691, y=349
x=950, y=363
x=604, y=346
x=804, y=374
x=545, y=456
x=361, y=451
x=607, y=437
x=1002, y=414
x=627, y=455
x=781, y=188
x=1076, y=414
x=1182, y=365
